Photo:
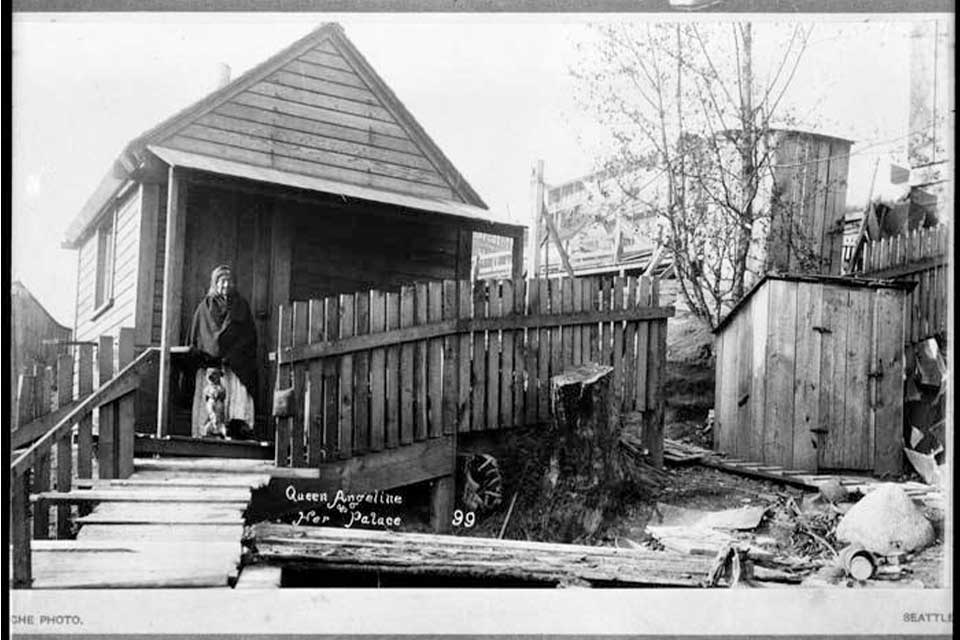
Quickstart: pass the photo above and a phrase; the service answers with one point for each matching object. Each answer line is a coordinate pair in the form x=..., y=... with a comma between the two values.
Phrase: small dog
x=214, y=397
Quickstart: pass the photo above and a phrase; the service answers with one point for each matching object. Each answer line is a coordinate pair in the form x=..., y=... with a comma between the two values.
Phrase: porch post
x=536, y=217
x=172, y=291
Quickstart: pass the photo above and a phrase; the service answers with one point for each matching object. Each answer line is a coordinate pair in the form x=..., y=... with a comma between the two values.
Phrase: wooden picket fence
x=920, y=256
x=376, y=370
x=54, y=444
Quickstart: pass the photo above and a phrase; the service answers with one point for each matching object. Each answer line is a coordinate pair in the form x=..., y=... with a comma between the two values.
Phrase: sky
x=494, y=92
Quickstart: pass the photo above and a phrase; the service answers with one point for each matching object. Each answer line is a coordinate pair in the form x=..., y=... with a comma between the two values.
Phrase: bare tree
x=686, y=108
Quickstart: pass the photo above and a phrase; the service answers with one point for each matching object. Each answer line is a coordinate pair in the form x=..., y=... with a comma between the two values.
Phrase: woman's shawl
x=224, y=331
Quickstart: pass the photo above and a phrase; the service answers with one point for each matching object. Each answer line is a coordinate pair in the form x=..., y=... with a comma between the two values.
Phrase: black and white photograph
x=500, y=305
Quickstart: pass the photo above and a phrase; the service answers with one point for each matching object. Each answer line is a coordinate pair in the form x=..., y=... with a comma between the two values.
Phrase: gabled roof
x=315, y=109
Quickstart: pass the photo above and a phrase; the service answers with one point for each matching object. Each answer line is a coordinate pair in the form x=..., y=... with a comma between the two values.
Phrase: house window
x=106, y=246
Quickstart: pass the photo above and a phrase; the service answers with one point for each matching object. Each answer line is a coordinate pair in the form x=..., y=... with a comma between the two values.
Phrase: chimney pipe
x=223, y=75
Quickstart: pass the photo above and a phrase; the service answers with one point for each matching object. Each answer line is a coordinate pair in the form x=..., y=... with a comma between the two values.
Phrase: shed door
x=847, y=348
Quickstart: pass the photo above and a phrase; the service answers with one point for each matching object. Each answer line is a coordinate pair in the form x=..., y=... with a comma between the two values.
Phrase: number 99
x=467, y=519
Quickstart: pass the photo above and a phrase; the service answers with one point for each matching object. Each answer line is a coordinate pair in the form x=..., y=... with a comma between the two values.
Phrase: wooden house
x=36, y=336
x=307, y=174
x=809, y=374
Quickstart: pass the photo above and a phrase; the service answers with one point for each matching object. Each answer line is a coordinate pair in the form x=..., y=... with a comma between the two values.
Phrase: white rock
x=886, y=522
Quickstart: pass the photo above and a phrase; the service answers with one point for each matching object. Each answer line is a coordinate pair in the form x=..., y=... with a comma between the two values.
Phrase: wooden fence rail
x=377, y=370
x=55, y=443
x=919, y=256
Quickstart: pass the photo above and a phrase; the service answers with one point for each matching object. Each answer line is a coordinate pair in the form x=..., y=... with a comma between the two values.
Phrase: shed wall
x=809, y=376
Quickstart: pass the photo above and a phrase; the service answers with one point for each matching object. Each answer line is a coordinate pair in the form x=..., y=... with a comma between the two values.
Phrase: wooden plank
x=593, y=303
x=566, y=332
x=451, y=327
x=494, y=309
x=479, y=402
x=106, y=440
x=606, y=304
x=347, y=329
x=577, y=332
x=85, y=424
x=855, y=426
x=407, y=366
x=519, y=350
x=361, y=377
x=630, y=349
x=260, y=576
x=434, y=355
x=392, y=376
x=378, y=359
x=556, y=333
x=452, y=555
x=284, y=380
x=20, y=531
x=133, y=533
x=643, y=345
x=126, y=417
x=807, y=389
x=203, y=465
x=531, y=354
x=544, y=352
x=653, y=436
x=331, y=381
x=388, y=469
x=888, y=398
x=744, y=399
x=442, y=496
x=779, y=367
x=618, y=374
x=832, y=375
x=314, y=402
x=465, y=356
x=507, y=353
x=450, y=364
x=64, y=445
x=178, y=494
x=147, y=444
x=300, y=336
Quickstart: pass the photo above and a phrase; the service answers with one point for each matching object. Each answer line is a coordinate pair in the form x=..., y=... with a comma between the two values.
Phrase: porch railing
x=377, y=370
x=55, y=443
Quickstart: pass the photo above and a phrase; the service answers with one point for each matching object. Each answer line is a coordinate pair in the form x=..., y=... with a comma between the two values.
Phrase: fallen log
x=320, y=548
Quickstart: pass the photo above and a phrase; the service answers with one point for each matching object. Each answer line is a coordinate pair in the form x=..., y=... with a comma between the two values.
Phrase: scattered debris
x=744, y=518
x=926, y=465
x=858, y=562
x=886, y=522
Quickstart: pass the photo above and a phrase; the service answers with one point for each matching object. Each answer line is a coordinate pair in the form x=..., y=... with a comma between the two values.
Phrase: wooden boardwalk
x=173, y=523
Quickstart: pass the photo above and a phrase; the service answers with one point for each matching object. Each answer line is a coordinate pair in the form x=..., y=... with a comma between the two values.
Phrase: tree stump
x=584, y=470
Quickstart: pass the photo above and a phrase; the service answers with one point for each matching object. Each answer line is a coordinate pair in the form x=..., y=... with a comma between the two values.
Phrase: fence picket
x=593, y=304
x=494, y=309
x=65, y=443
x=345, y=430
x=519, y=352
x=544, y=353
x=407, y=365
x=297, y=428
x=361, y=377
x=464, y=356
x=643, y=346
x=85, y=425
x=106, y=437
x=331, y=381
x=618, y=286
x=284, y=381
x=556, y=334
x=434, y=362
x=478, y=421
x=392, y=376
x=314, y=404
x=630, y=347
x=378, y=363
x=450, y=357
x=606, y=303
x=507, y=352
x=420, y=379
x=531, y=353
x=566, y=332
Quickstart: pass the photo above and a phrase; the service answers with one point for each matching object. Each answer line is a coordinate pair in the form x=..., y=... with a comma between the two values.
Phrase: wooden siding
x=126, y=256
x=318, y=116
x=809, y=376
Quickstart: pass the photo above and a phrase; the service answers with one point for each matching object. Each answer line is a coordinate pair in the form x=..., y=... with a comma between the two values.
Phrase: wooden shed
x=809, y=374
x=306, y=173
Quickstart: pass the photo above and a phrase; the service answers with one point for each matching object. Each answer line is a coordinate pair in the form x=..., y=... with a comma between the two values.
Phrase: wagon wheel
x=483, y=484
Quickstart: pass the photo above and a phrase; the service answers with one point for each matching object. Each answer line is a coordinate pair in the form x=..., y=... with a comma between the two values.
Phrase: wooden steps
x=73, y=564
x=175, y=523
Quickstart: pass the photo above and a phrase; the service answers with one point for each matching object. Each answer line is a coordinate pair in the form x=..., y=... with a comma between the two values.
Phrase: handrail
x=120, y=385
x=459, y=326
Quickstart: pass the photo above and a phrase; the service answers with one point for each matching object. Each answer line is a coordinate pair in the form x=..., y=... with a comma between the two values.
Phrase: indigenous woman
x=224, y=338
